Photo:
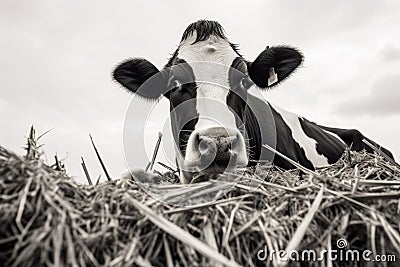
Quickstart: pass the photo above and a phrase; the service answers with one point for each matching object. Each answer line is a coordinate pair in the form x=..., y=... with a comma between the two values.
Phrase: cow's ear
x=273, y=65
x=133, y=73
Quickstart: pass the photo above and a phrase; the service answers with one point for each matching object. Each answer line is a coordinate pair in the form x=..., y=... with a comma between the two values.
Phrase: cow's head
x=206, y=81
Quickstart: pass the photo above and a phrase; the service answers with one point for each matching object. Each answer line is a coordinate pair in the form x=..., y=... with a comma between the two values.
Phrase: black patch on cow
x=327, y=145
x=237, y=96
x=287, y=145
x=184, y=134
x=260, y=130
x=236, y=100
x=183, y=121
x=353, y=138
x=235, y=77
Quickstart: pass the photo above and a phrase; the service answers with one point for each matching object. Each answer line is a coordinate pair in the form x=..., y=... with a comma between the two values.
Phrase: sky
x=57, y=57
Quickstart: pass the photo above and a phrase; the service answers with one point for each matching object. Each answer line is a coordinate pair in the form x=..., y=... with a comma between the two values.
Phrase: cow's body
x=217, y=124
x=305, y=142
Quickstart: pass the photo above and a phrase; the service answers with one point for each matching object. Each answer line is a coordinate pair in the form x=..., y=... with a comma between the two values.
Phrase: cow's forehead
x=214, y=49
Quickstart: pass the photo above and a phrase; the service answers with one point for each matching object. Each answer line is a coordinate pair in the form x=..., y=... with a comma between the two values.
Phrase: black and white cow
x=217, y=124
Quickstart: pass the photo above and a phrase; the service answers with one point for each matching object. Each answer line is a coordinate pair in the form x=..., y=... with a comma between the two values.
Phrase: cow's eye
x=176, y=84
x=246, y=82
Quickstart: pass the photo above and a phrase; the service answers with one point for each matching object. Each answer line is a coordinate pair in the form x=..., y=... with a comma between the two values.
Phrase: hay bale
x=48, y=219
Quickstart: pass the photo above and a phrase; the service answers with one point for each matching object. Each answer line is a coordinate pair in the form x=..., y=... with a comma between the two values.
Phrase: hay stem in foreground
x=155, y=152
x=296, y=164
x=47, y=218
x=99, y=158
x=380, y=152
x=303, y=227
x=182, y=235
x=85, y=170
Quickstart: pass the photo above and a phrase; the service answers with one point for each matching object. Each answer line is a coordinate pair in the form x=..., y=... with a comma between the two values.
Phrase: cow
x=217, y=124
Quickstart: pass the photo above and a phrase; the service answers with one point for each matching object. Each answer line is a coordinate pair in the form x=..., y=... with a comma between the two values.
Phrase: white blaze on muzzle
x=212, y=108
x=216, y=121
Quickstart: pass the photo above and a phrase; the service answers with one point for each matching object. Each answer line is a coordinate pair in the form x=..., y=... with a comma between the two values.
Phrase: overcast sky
x=56, y=58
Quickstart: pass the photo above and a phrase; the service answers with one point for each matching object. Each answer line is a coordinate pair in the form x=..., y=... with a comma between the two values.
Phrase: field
x=48, y=219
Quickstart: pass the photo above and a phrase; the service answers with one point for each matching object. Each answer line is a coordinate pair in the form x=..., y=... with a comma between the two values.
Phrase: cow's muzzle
x=215, y=150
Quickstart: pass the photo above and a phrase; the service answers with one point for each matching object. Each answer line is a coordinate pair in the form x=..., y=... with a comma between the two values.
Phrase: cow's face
x=206, y=81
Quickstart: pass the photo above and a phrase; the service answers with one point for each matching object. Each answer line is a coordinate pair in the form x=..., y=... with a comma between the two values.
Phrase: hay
x=48, y=219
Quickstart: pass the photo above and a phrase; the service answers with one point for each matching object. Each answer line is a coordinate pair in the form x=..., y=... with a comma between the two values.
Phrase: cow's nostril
x=228, y=147
x=233, y=142
x=230, y=143
x=203, y=144
x=206, y=145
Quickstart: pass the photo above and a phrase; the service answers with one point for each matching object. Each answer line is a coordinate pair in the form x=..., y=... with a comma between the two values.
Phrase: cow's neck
x=263, y=124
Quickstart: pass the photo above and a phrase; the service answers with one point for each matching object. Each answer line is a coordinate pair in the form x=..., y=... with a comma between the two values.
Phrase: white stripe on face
x=211, y=98
x=308, y=144
x=210, y=61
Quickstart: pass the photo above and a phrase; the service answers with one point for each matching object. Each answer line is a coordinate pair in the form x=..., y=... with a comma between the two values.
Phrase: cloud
x=391, y=53
x=382, y=100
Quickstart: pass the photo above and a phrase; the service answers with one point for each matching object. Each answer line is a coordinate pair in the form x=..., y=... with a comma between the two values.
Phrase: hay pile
x=48, y=219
